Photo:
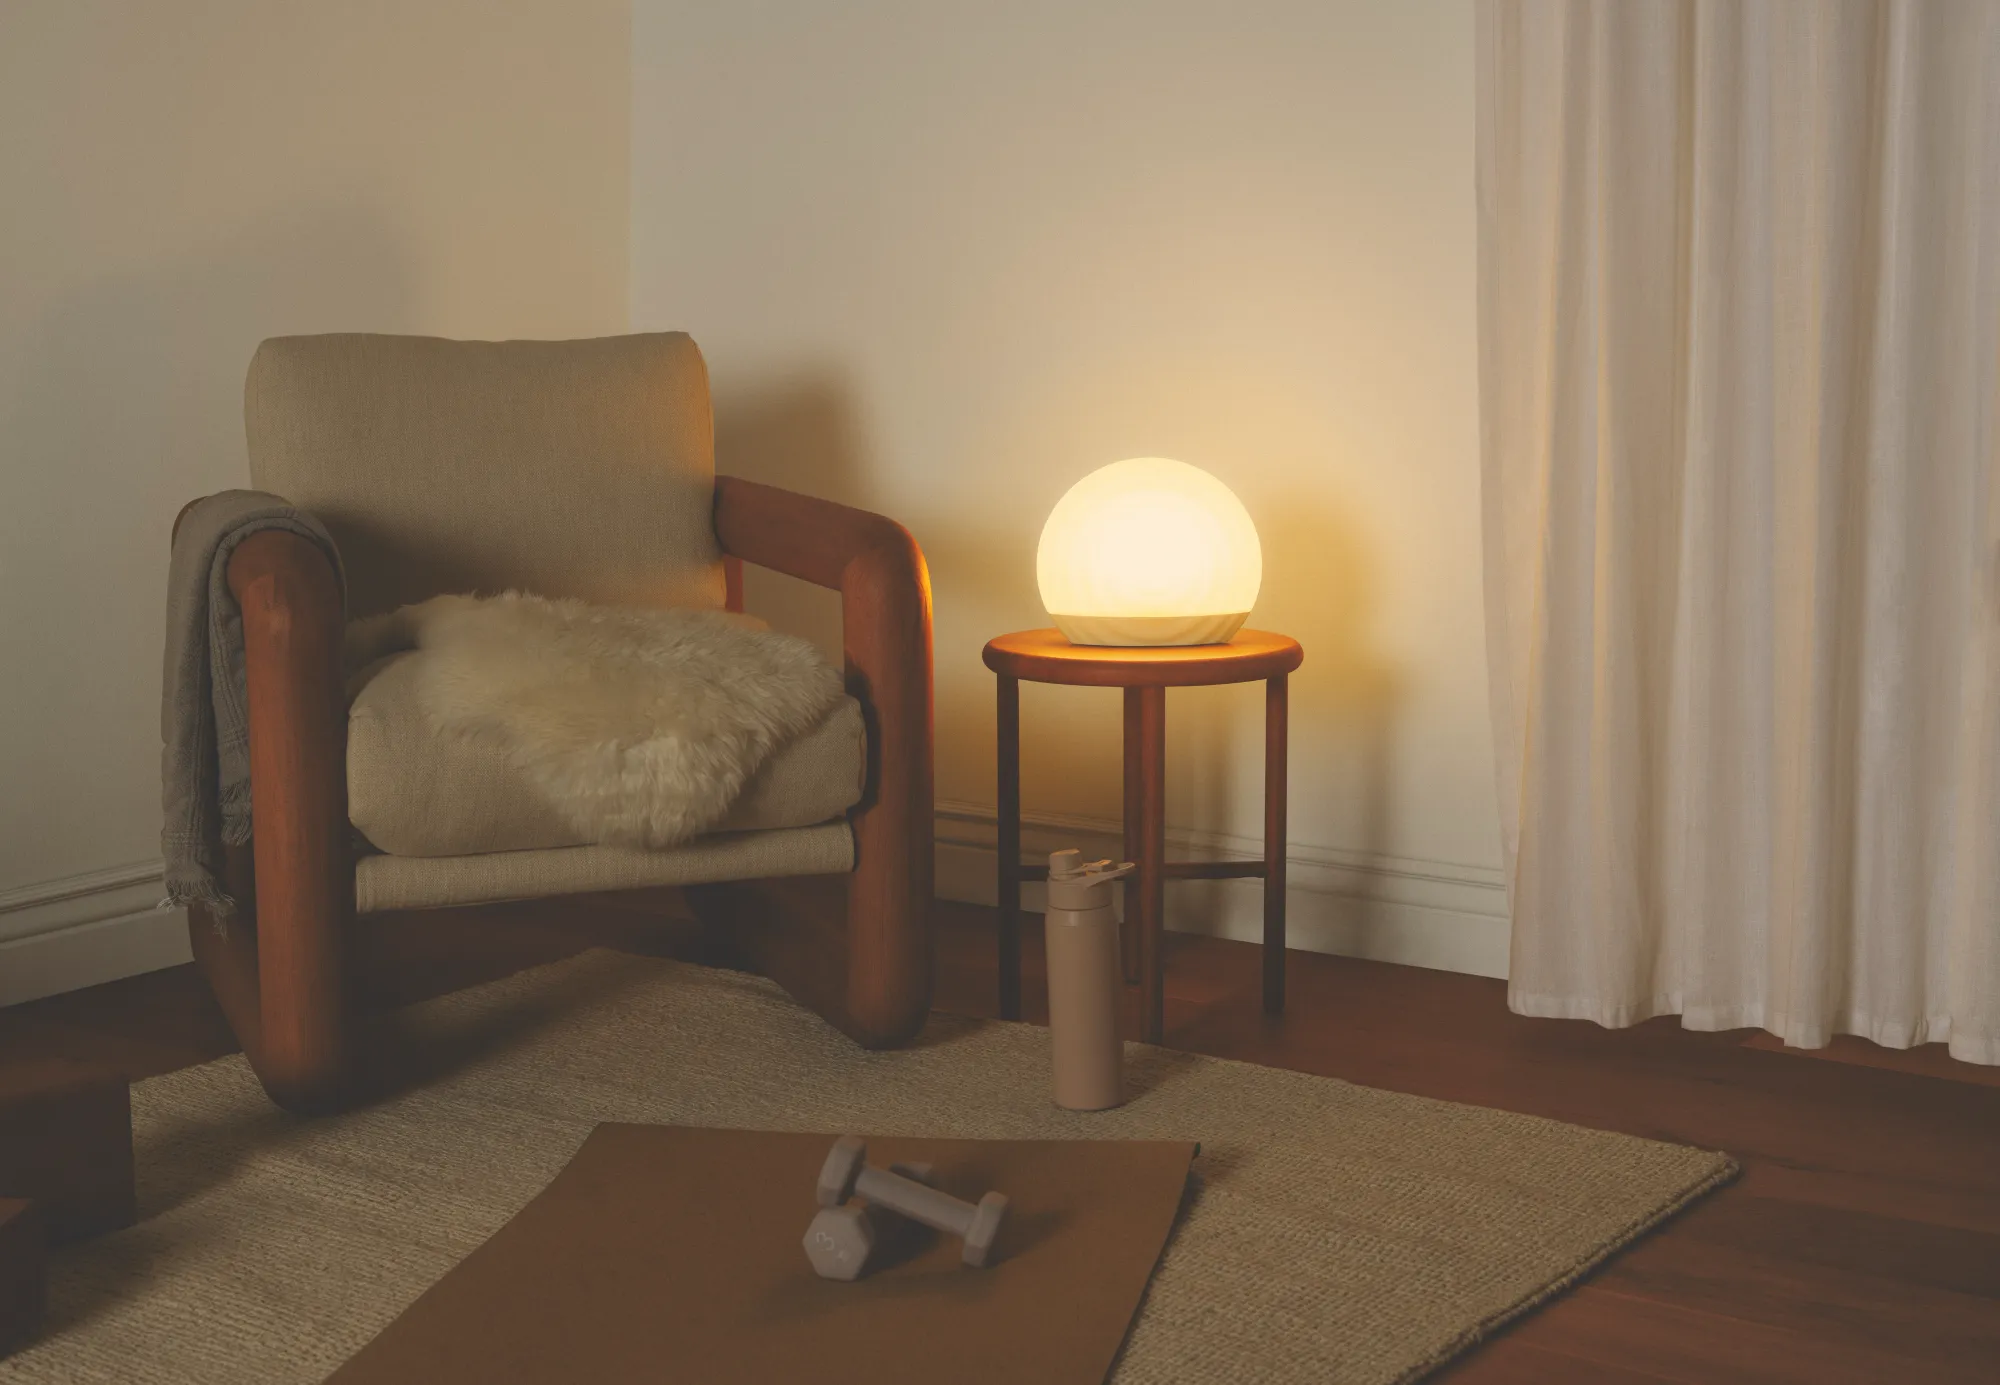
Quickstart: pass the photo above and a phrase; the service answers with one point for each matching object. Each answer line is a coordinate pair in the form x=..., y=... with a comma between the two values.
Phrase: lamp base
x=1150, y=630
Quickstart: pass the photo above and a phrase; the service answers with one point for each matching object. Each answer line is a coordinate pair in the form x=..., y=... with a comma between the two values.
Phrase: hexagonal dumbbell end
x=839, y=1242
x=843, y=1165
x=987, y=1219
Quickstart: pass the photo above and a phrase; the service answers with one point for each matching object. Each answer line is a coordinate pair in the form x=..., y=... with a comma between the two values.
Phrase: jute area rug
x=1334, y=1233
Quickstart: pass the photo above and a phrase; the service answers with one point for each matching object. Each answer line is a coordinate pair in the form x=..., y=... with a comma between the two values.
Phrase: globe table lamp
x=1149, y=551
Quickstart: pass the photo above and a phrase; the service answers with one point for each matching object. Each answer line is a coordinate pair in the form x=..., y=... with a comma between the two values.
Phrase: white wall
x=179, y=181
x=946, y=258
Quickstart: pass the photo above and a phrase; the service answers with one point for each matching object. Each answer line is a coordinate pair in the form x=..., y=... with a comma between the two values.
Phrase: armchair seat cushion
x=413, y=792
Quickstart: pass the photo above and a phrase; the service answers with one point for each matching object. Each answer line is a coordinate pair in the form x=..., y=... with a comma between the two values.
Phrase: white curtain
x=1740, y=393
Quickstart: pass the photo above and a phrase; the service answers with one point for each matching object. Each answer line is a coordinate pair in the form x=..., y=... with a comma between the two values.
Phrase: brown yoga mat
x=674, y=1253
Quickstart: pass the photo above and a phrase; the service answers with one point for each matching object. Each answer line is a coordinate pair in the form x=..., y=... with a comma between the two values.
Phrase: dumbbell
x=847, y=1172
x=842, y=1240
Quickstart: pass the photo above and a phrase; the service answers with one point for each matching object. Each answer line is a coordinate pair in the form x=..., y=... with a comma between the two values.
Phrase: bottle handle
x=1069, y=867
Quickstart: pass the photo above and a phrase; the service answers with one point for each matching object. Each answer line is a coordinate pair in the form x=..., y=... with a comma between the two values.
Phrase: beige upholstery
x=412, y=792
x=425, y=882
x=568, y=468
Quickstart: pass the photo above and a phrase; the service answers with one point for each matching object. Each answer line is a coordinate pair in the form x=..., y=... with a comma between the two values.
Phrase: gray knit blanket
x=204, y=714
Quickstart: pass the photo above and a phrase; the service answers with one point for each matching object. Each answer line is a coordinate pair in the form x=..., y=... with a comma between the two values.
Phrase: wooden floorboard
x=1928, y=1060
x=1770, y=1284
x=1862, y=1242
x=1701, y=1346
x=1511, y=1361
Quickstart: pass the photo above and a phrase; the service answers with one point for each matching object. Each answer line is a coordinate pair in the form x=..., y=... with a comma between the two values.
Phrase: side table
x=1145, y=673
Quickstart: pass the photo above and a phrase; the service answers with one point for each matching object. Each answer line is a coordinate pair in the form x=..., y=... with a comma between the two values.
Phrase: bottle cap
x=1078, y=884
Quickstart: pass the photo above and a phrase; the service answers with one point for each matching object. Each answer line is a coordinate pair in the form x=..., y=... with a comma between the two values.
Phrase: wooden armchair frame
x=855, y=948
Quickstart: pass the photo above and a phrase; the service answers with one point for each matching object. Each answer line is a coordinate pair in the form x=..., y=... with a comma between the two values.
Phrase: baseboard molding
x=66, y=934
x=86, y=929
x=1437, y=914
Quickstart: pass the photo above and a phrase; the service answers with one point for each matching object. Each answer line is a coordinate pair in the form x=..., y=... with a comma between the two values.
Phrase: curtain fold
x=1739, y=278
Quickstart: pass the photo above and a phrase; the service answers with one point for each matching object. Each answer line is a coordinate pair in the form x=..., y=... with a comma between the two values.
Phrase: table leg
x=1152, y=859
x=1134, y=751
x=1276, y=732
x=1009, y=845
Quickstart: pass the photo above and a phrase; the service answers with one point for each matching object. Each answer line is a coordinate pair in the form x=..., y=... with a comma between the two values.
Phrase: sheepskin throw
x=641, y=726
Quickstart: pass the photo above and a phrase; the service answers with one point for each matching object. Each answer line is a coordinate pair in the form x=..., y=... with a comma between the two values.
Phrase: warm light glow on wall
x=1149, y=551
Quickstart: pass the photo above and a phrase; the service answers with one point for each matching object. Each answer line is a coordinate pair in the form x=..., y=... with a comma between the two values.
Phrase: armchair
x=498, y=420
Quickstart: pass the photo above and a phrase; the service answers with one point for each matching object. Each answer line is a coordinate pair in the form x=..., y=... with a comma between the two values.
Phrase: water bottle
x=1084, y=980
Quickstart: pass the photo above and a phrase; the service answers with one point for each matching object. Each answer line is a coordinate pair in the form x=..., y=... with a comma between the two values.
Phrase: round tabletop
x=1047, y=656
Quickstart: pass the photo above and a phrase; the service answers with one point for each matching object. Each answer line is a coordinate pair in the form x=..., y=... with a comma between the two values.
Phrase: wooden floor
x=1862, y=1243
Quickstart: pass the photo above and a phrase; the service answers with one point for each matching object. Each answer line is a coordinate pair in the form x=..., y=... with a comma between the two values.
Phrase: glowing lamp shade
x=1149, y=551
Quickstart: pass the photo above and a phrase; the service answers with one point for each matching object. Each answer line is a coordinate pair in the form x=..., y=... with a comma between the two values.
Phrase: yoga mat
x=676, y=1253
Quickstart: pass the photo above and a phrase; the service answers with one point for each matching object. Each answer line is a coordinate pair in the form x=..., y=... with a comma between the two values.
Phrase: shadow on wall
x=1321, y=585
x=802, y=434
x=1324, y=583
x=128, y=402
x=155, y=356
x=805, y=433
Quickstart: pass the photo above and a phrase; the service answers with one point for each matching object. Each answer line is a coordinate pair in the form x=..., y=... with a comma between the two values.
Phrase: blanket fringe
x=185, y=890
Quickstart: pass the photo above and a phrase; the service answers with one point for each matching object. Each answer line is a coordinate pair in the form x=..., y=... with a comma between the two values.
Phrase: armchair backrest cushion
x=564, y=468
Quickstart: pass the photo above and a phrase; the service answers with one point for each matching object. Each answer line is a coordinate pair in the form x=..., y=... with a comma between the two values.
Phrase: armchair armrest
x=304, y=879
x=885, y=602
